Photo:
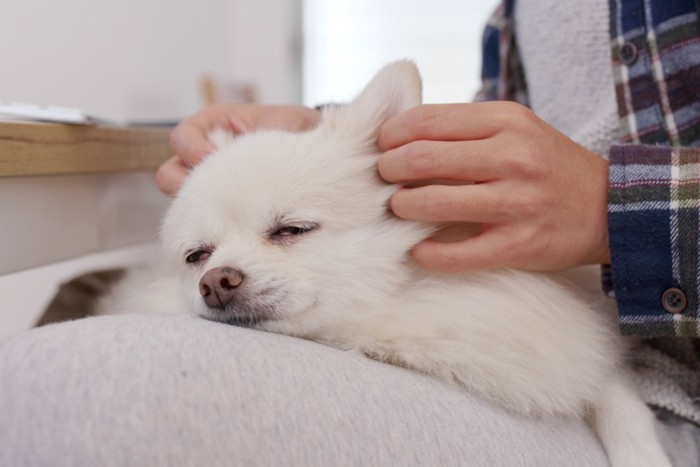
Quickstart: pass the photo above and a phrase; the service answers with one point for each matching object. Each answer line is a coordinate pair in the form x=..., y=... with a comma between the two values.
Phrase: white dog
x=289, y=233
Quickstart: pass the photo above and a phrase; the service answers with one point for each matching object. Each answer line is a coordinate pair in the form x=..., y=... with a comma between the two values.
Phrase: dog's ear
x=395, y=88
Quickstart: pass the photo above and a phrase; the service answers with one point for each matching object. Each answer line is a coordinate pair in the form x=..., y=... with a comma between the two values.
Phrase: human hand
x=541, y=199
x=189, y=139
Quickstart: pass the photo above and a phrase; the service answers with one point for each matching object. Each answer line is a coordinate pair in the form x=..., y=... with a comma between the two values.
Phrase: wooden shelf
x=52, y=149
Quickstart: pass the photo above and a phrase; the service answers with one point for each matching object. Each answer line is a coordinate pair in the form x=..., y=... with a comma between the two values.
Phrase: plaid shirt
x=654, y=175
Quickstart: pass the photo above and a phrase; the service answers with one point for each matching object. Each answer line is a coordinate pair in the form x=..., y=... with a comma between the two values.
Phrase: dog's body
x=289, y=233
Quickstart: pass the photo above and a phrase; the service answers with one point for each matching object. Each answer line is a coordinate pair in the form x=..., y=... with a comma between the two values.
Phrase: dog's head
x=275, y=227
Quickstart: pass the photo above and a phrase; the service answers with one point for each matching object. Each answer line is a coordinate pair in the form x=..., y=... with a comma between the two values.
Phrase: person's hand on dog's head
x=189, y=139
x=540, y=197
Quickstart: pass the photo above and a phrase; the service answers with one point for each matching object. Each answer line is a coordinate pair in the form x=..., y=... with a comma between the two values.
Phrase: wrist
x=600, y=251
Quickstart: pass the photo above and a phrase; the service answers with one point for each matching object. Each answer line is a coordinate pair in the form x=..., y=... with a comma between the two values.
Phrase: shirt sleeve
x=653, y=222
x=490, y=57
x=502, y=75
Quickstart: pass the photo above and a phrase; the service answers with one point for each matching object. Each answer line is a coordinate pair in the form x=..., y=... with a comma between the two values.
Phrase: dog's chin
x=234, y=317
x=238, y=321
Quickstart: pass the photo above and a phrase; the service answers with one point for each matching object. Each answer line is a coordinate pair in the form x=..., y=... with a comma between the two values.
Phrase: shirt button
x=628, y=53
x=674, y=300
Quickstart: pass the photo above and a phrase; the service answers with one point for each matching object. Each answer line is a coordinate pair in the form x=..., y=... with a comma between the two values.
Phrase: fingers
x=440, y=203
x=189, y=139
x=484, y=251
x=446, y=122
x=171, y=175
x=289, y=118
x=190, y=143
x=424, y=160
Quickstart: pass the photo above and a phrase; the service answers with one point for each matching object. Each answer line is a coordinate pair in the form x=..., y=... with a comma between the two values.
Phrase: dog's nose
x=218, y=286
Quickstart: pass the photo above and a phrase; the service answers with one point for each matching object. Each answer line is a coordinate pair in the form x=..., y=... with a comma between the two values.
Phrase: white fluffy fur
x=522, y=340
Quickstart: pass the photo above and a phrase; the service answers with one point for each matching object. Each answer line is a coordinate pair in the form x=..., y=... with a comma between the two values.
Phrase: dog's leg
x=625, y=426
x=421, y=355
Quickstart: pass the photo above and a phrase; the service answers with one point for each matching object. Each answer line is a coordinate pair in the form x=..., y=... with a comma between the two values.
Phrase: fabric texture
x=656, y=62
x=158, y=390
x=680, y=439
x=667, y=373
x=502, y=74
x=654, y=210
x=654, y=190
x=581, y=62
x=654, y=207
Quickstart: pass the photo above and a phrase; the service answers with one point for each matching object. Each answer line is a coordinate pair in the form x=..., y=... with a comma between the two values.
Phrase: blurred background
x=135, y=60
x=64, y=238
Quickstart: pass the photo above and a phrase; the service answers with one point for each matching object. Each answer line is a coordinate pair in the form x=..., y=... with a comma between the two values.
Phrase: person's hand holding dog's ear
x=189, y=139
x=540, y=197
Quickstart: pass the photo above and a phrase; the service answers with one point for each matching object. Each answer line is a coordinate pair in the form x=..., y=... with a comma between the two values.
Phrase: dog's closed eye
x=286, y=233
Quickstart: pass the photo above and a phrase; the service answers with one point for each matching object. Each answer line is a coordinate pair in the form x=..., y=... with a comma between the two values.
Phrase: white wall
x=142, y=59
x=347, y=41
x=265, y=39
